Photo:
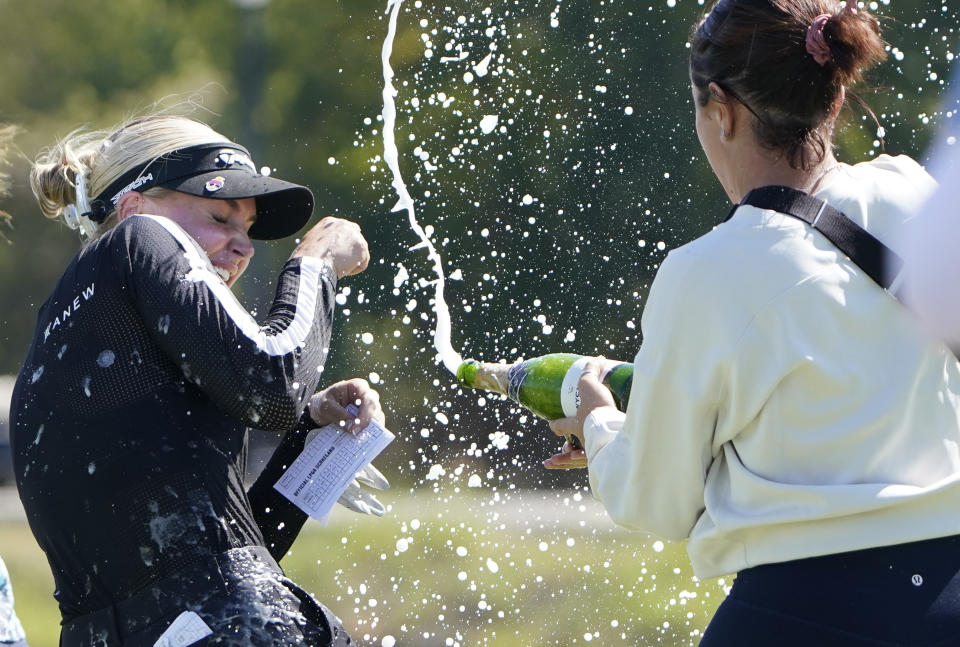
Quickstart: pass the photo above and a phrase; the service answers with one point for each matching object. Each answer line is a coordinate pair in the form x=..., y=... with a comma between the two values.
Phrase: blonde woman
x=129, y=415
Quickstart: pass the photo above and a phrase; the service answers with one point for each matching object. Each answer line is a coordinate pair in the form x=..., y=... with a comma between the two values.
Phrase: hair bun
x=760, y=53
x=855, y=44
x=52, y=179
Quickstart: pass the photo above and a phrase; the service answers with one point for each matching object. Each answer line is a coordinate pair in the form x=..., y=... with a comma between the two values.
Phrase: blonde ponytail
x=98, y=158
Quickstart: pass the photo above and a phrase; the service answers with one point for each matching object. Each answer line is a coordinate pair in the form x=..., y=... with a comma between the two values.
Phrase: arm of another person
x=259, y=374
x=931, y=276
x=648, y=466
x=279, y=519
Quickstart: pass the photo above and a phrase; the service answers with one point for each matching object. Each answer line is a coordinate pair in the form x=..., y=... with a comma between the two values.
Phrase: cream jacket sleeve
x=650, y=473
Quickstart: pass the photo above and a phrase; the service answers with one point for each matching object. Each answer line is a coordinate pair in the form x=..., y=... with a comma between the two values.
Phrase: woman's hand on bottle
x=339, y=243
x=593, y=395
x=330, y=405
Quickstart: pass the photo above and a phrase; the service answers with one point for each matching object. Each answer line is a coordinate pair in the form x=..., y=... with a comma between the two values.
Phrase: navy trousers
x=906, y=595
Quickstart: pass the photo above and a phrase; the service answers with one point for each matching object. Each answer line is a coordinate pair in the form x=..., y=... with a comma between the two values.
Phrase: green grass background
x=464, y=566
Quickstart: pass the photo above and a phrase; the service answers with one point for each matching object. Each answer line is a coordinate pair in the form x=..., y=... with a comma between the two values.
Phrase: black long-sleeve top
x=129, y=415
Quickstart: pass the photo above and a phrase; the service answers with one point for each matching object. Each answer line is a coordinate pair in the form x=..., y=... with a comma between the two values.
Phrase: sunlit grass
x=468, y=567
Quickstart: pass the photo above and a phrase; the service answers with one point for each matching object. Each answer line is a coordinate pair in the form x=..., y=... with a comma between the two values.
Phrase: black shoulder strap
x=873, y=257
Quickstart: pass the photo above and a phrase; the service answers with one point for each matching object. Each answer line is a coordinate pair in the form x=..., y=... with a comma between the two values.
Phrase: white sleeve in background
x=931, y=281
x=648, y=467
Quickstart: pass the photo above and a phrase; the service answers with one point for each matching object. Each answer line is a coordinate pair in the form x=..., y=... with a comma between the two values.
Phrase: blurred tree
x=555, y=219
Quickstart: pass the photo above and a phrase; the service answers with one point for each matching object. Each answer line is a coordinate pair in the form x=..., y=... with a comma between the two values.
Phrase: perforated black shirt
x=129, y=415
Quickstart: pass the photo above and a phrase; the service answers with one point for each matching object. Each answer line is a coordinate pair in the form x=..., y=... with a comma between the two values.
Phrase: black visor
x=221, y=171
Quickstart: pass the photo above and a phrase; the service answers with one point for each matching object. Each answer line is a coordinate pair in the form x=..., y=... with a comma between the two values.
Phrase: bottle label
x=515, y=379
x=569, y=393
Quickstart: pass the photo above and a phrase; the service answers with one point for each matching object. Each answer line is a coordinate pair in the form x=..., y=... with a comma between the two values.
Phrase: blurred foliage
x=555, y=221
x=464, y=567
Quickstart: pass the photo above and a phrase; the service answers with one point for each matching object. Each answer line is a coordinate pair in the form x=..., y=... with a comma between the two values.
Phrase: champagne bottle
x=546, y=385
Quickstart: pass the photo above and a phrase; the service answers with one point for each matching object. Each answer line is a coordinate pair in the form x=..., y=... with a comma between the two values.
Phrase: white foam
x=488, y=123
x=451, y=358
x=401, y=277
x=483, y=66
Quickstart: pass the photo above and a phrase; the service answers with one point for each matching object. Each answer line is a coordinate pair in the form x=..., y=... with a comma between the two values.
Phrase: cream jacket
x=784, y=405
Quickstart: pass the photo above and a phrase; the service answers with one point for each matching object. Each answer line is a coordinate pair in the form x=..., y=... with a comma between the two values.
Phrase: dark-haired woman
x=787, y=417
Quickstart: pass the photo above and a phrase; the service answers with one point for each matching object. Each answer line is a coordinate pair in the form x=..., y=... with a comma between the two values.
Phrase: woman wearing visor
x=129, y=415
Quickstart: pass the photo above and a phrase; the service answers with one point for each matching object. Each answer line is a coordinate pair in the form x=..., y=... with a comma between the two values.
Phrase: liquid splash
x=441, y=339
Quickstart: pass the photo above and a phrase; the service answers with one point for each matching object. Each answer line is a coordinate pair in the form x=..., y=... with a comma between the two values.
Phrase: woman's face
x=219, y=226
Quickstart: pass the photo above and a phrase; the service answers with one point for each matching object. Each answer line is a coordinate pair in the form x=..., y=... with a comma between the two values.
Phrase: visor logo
x=228, y=158
x=214, y=184
x=133, y=186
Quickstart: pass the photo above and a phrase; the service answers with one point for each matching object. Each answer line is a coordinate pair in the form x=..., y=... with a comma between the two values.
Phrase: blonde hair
x=103, y=156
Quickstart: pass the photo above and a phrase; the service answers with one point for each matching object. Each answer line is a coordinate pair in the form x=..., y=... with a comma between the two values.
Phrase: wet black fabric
x=241, y=596
x=279, y=518
x=129, y=416
x=906, y=595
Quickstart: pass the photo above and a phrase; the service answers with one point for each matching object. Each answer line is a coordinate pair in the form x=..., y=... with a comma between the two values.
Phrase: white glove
x=359, y=500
